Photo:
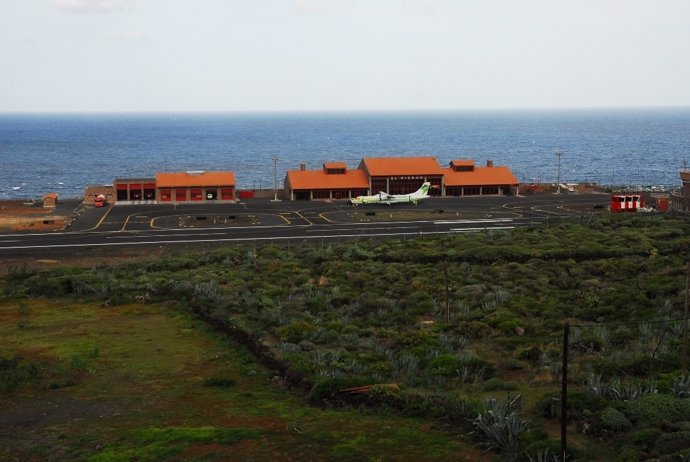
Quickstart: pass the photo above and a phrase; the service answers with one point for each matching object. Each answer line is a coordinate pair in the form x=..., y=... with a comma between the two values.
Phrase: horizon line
x=348, y=111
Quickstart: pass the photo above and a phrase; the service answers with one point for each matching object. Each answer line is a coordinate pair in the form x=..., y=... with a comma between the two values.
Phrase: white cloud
x=92, y=5
x=321, y=6
x=127, y=36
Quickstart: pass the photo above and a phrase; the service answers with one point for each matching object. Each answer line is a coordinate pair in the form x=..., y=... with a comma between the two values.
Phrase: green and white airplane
x=385, y=198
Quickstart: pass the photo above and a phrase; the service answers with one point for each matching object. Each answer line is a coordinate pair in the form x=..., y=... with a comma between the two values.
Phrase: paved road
x=257, y=220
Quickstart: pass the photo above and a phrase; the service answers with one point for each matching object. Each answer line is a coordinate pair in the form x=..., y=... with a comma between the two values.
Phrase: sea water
x=66, y=152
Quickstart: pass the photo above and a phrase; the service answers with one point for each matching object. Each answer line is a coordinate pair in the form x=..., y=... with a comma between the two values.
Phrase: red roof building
x=135, y=189
x=50, y=199
x=464, y=178
x=398, y=175
x=402, y=175
x=333, y=181
x=195, y=186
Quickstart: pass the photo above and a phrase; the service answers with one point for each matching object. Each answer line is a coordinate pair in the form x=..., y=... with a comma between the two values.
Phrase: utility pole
x=559, y=153
x=445, y=273
x=275, y=179
x=564, y=392
x=685, y=322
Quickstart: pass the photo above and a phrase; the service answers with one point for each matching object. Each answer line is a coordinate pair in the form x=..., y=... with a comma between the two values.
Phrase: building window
x=321, y=194
x=490, y=190
x=379, y=184
x=471, y=192
x=405, y=185
x=435, y=189
x=340, y=194
x=453, y=191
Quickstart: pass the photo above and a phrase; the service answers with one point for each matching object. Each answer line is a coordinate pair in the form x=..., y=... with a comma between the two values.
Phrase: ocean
x=65, y=153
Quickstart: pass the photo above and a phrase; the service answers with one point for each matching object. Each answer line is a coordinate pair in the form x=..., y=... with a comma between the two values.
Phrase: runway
x=267, y=221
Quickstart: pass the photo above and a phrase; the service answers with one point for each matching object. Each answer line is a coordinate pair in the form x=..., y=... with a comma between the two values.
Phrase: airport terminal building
x=393, y=175
x=399, y=175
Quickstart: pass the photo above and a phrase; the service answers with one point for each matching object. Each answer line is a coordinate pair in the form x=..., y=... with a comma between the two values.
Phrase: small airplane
x=385, y=198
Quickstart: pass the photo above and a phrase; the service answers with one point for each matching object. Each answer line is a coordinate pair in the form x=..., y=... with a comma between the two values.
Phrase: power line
x=627, y=324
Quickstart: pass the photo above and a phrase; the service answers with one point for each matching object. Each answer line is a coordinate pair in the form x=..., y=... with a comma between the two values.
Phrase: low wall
x=264, y=193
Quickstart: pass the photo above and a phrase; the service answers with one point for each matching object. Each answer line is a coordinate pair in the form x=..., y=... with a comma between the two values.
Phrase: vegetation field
x=147, y=382
x=422, y=349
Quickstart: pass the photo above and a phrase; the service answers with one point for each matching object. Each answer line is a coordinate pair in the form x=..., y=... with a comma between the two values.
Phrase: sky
x=341, y=55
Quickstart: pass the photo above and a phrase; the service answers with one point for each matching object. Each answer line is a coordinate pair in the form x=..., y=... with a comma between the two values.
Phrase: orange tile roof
x=335, y=166
x=319, y=179
x=51, y=195
x=480, y=176
x=184, y=179
x=391, y=166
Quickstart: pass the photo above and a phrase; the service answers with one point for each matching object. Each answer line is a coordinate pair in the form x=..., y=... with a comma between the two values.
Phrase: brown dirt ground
x=28, y=216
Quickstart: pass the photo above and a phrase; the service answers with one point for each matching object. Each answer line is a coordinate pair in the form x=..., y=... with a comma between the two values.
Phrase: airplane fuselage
x=388, y=199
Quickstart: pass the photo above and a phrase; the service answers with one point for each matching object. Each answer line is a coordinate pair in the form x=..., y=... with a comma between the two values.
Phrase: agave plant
x=594, y=387
x=681, y=386
x=501, y=426
x=544, y=455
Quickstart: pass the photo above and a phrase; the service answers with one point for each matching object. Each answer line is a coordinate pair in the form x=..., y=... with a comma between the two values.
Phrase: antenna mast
x=559, y=153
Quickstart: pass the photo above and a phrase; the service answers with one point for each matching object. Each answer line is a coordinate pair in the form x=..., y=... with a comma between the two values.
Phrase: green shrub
x=328, y=391
x=477, y=365
x=532, y=354
x=537, y=446
x=445, y=365
x=296, y=331
x=614, y=420
x=384, y=393
x=670, y=443
x=15, y=372
x=657, y=408
x=496, y=383
x=473, y=329
x=513, y=364
x=646, y=438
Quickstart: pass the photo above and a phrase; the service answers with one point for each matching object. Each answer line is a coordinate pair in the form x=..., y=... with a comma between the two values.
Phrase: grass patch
x=152, y=384
x=156, y=444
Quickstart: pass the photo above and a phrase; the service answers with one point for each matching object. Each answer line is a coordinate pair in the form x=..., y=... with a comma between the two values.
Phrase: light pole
x=558, y=175
x=275, y=179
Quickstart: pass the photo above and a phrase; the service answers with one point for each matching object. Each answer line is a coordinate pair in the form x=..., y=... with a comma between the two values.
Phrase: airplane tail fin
x=424, y=190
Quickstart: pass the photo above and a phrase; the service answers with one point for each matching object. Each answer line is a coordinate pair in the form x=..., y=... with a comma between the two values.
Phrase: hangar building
x=176, y=187
x=195, y=186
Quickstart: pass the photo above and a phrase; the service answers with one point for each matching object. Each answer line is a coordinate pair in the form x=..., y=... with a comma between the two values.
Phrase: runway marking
x=135, y=236
x=12, y=240
x=477, y=230
x=237, y=239
x=102, y=219
x=329, y=230
x=478, y=220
